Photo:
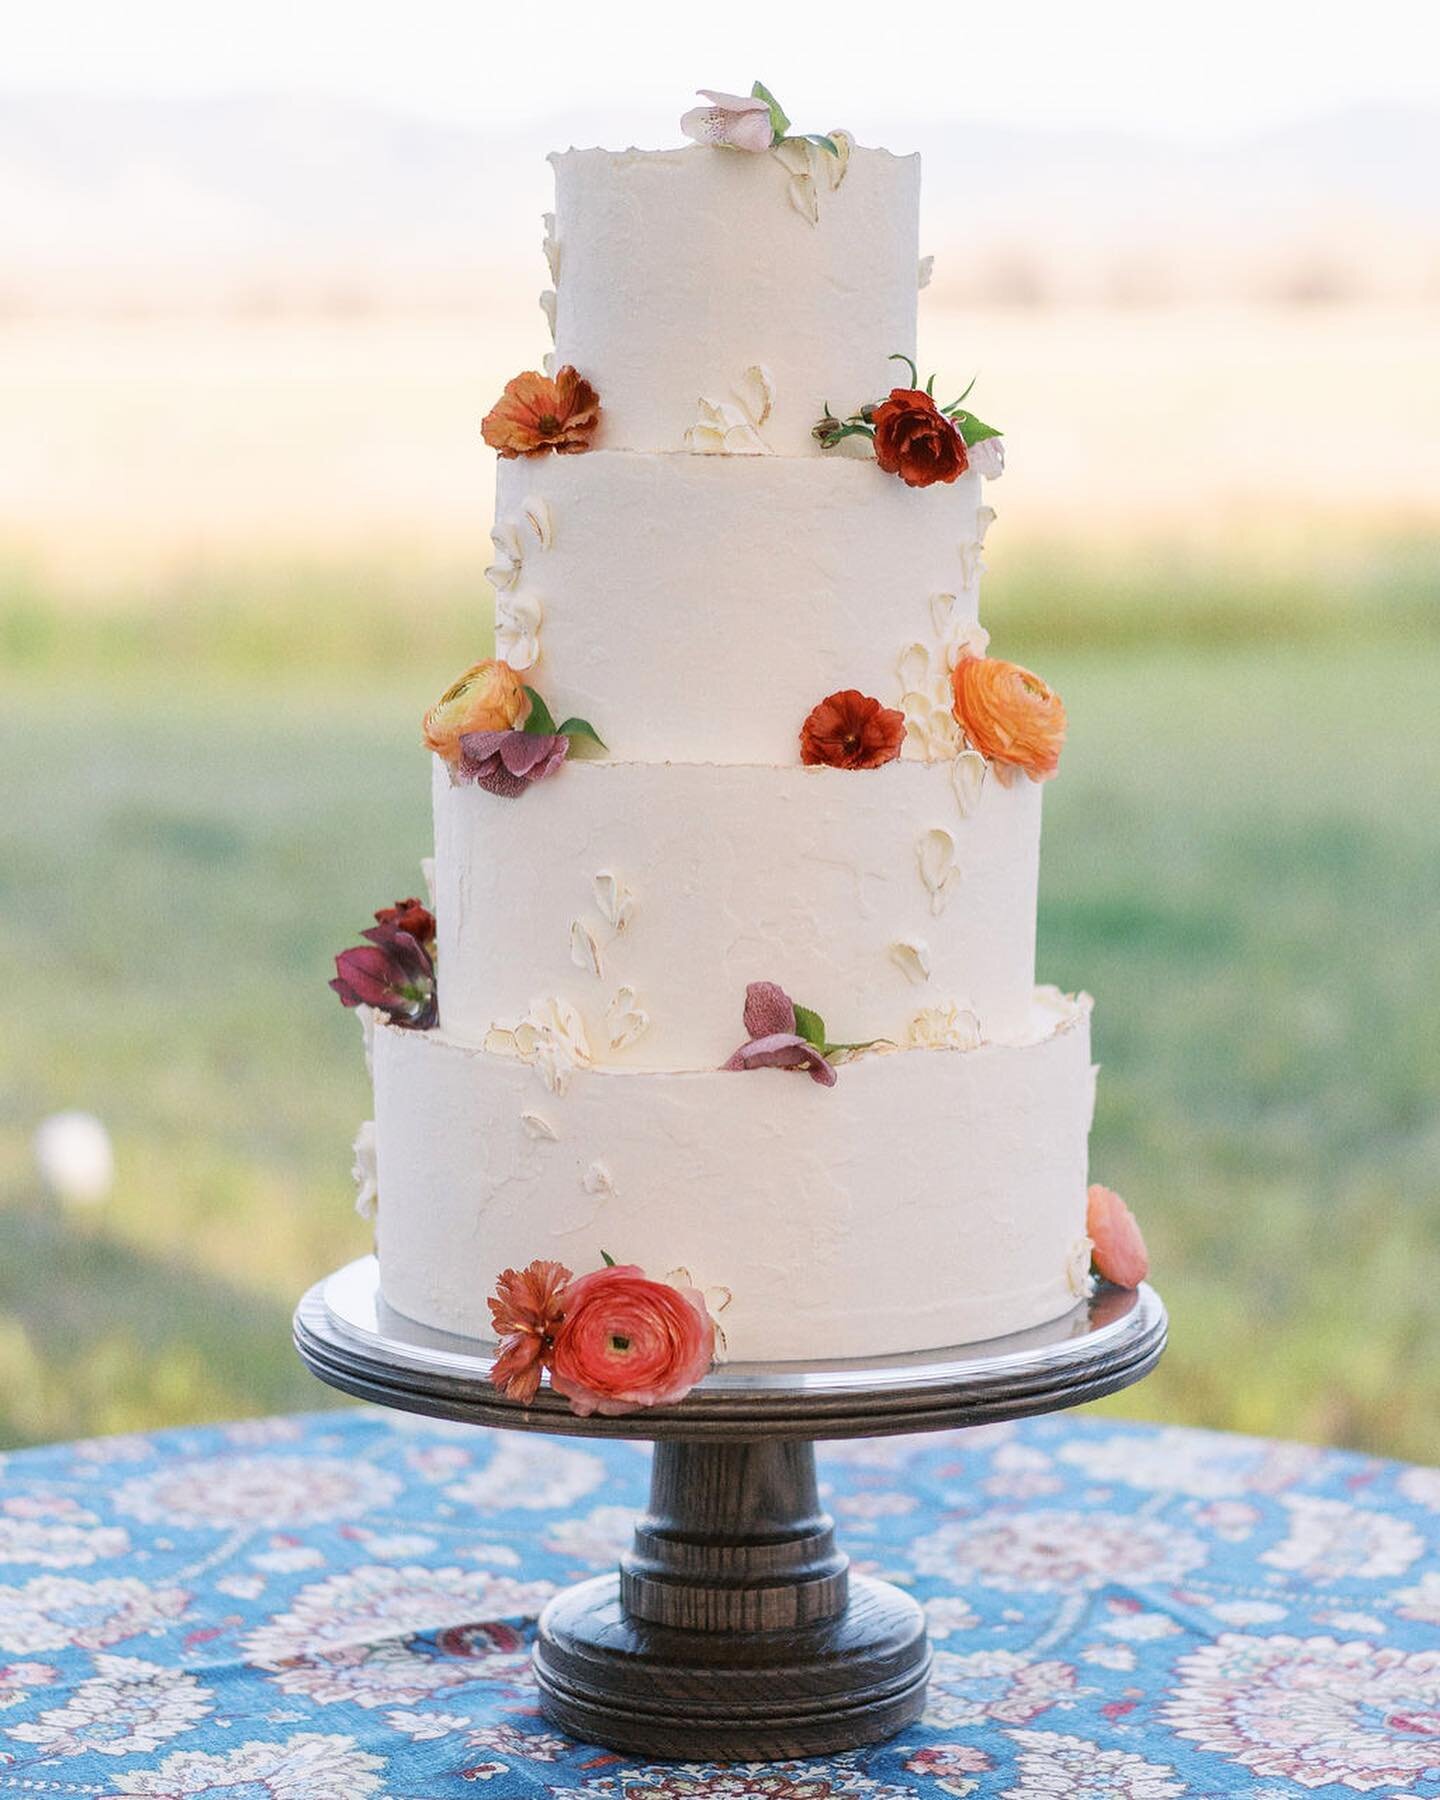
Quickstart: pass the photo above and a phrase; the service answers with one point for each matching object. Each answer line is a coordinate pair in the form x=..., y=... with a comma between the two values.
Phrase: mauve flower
x=914, y=439
x=506, y=762
x=490, y=696
x=538, y=412
x=525, y=1313
x=1009, y=715
x=774, y=1042
x=1117, y=1248
x=392, y=972
x=736, y=121
x=627, y=1342
x=849, y=730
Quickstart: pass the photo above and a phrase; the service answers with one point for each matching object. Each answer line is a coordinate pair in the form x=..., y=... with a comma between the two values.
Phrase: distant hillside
x=276, y=202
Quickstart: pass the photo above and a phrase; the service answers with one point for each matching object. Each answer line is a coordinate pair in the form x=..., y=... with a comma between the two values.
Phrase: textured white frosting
x=700, y=606
x=677, y=270
x=930, y=1198
x=806, y=876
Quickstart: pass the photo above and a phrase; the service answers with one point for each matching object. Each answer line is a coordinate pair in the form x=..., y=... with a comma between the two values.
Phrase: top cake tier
x=678, y=273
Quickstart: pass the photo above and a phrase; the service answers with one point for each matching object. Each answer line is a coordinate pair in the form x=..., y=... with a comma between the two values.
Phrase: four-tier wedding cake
x=730, y=972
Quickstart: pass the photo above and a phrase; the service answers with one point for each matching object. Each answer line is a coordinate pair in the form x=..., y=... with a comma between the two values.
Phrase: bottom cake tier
x=932, y=1197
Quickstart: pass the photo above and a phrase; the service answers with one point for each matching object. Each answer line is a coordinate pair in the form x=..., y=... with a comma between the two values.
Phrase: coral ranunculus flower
x=1009, y=715
x=537, y=413
x=1117, y=1248
x=525, y=1313
x=849, y=730
x=488, y=697
x=914, y=439
x=628, y=1342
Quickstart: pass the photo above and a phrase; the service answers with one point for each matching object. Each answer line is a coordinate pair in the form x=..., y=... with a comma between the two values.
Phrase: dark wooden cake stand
x=733, y=1629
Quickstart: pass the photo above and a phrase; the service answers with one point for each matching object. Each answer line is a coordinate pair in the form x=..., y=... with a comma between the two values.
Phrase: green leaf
x=843, y=431
x=909, y=362
x=541, y=722
x=779, y=124
x=973, y=430
x=573, y=728
x=811, y=1027
x=607, y=1259
x=845, y=1051
x=824, y=143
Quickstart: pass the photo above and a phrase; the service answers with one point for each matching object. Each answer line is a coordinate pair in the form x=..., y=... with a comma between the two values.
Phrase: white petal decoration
x=972, y=563
x=756, y=393
x=547, y=306
x=547, y=364
x=926, y=271
x=427, y=875
x=838, y=167
x=723, y=429
x=598, y=1179
x=584, y=949
x=935, y=854
x=550, y=1038
x=967, y=773
x=985, y=517
x=942, y=614
x=552, y=247
x=518, y=618
x=540, y=520
x=1077, y=1268
x=626, y=1019
x=616, y=902
x=793, y=155
x=538, y=1126
x=912, y=957
x=804, y=198
x=504, y=572
x=363, y=1171
x=914, y=668
x=500, y=1041
x=970, y=640
x=945, y=1028
x=368, y=1018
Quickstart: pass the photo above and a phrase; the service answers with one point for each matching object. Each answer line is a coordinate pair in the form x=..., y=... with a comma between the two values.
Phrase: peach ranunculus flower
x=488, y=697
x=525, y=1313
x=538, y=412
x=1009, y=715
x=627, y=1342
x=1117, y=1248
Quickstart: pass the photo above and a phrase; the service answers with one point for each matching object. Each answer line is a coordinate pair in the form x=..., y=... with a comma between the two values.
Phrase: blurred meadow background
x=251, y=313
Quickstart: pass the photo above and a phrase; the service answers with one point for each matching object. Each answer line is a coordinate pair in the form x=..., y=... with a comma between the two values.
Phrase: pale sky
x=1208, y=71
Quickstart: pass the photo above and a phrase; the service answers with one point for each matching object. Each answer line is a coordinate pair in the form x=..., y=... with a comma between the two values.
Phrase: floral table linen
x=340, y=1606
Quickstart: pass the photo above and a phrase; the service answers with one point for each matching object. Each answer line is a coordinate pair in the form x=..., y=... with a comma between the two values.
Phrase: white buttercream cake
x=695, y=579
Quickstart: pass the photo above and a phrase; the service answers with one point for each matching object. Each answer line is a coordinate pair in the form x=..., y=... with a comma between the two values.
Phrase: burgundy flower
x=774, y=1041
x=393, y=972
x=411, y=915
x=506, y=762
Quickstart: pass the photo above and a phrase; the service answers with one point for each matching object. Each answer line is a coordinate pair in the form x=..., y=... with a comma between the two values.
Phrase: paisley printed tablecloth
x=339, y=1607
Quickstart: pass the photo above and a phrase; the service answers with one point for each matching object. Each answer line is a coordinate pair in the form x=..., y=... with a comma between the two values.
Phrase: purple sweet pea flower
x=393, y=972
x=506, y=762
x=774, y=1042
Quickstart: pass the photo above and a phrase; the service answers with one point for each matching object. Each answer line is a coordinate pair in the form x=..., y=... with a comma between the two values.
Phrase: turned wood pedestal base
x=733, y=1629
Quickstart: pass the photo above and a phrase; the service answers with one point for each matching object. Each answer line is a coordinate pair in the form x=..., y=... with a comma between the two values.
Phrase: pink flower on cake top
x=755, y=121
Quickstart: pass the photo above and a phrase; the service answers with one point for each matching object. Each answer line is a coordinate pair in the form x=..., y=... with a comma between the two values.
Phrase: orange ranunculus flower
x=1009, y=715
x=627, y=1341
x=1116, y=1246
x=914, y=439
x=849, y=730
x=488, y=697
x=537, y=413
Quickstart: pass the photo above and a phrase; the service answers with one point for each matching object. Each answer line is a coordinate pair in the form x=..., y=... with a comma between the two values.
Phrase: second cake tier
x=893, y=901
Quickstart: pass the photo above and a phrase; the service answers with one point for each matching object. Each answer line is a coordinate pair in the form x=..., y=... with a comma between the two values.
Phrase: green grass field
x=208, y=791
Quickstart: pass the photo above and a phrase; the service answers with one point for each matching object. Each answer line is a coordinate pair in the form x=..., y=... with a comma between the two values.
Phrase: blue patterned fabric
x=340, y=1607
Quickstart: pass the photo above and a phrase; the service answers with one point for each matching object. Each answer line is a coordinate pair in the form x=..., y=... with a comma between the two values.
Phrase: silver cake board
x=733, y=1629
